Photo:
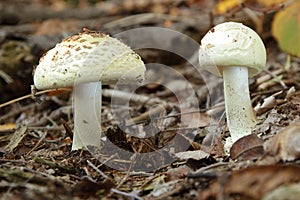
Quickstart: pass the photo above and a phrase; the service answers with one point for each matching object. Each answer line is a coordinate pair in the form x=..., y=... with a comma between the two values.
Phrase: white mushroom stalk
x=240, y=115
x=234, y=51
x=86, y=61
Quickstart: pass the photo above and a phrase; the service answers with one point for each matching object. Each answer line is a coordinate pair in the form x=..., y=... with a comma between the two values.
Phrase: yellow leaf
x=8, y=126
x=286, y=29
x=270, y=3
x=225, y=5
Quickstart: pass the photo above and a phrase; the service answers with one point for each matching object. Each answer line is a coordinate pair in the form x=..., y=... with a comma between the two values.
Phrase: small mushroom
x=235, y=52
x=85, y=61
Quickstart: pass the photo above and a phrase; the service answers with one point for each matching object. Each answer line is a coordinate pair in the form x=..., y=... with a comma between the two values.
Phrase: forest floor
x=174, y=150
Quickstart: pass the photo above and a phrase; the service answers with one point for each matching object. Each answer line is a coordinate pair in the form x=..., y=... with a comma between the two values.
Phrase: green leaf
x=286, y=29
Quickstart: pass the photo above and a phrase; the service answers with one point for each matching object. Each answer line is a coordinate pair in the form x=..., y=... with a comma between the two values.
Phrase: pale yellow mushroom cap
x=88, y=57
x=232, y=44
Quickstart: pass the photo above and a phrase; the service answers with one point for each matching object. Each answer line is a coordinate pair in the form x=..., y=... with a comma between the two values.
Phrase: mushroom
x=234, y=51
x=85, y=61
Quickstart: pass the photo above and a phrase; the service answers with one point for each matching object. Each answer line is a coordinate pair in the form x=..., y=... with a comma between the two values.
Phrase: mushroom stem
x=87, y=115
x=239, y=112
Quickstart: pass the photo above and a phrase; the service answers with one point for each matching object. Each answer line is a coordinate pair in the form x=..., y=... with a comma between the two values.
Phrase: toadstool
x=234, y=51
x=85, y=61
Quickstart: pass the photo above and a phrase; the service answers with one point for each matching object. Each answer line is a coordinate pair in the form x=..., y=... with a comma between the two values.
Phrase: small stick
x=97, y=169
x=276, y=77
x=37, y=144
x=31, y=96
x=132, y=195
x=268, y=76
x=126, y=96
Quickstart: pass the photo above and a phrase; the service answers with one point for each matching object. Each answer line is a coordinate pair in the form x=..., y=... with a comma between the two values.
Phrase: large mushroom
x=234, y=51
x=85, y=61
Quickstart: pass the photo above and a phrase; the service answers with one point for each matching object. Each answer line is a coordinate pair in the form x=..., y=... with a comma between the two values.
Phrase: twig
x=133, y=157
x=56, y=114
x=54, y=165
x=268, y=76
x=30, y=96
x=132, y=195
x=136, y=98
x=206, y=169
x=37, y=144
x=146, y=115
x=6, y=77
x=13, y=161
x=16, y=112
x=272, y=91
x=97, y=169
x=46, y=128
x=276, y=78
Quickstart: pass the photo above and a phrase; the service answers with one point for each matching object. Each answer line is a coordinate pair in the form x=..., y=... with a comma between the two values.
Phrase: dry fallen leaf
x=268, y=104
x=16, y=138
x=212, y=144
x=194, y=120
x=224, y=6
x=251, y=183
x=249, y=147
x=196, y=155
x=87, y=187
x=285, y=145
x=270, y=3
x=290, y=192
x=177, y=173
x=7, y=127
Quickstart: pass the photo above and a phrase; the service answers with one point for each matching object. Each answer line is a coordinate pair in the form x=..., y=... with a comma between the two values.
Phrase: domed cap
x=232, y=44
x=88, y=57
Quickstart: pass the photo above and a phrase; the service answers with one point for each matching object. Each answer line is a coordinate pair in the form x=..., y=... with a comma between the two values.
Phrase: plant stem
x=239, y=112
x=87, y=115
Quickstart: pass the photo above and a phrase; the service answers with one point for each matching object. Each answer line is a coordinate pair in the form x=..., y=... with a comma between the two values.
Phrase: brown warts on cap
x=87, y=31
x=42, y=57
x=67, y=53
x=54, y=58
x=87, y=47
x=209, y=46
x=212, y=30
x=95, y=43
x=82, y=40
x=136, y=56
x=93, y=34
x=79, y=38
x=71, y=38
x=77, y=53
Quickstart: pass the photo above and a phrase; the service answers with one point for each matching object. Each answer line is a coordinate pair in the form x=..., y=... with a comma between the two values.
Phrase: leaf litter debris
x=36, y=161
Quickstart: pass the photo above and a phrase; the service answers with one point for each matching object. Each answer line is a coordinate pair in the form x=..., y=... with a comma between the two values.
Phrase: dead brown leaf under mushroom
x=251, y=183
x=249, y=147
x=285, y=146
